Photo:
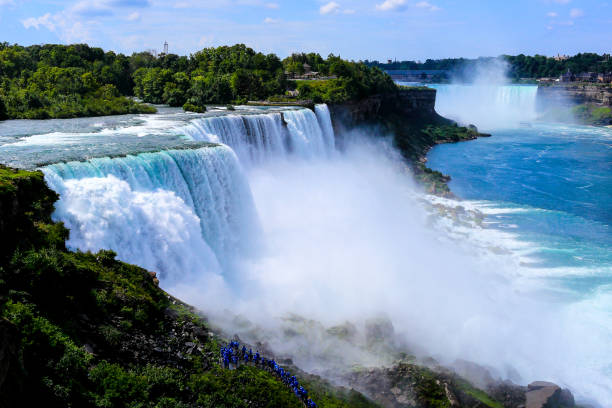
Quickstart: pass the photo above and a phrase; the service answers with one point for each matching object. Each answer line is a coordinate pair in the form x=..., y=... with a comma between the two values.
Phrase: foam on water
x=258, y=137
x=204, y=185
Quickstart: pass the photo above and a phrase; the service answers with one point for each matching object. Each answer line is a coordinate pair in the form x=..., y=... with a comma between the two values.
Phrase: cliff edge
x=409, y=116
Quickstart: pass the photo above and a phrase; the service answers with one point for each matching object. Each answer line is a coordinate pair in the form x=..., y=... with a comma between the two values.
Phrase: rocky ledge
x=411, y=119
x=574, y=93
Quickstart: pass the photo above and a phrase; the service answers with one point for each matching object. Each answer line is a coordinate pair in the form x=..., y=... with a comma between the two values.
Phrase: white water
x=488, y=106
x=343, y=236
x=256, y=138
x=121, y=204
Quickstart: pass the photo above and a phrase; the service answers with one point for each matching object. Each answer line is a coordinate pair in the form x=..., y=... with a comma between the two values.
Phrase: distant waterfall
x=174, y=212
x=487, y=106
x=256, y=137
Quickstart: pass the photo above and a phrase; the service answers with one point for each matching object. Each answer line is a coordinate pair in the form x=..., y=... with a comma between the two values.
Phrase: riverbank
x=584, y=103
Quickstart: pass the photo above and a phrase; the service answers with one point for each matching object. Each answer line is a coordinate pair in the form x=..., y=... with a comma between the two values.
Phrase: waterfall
x=487, y=106
x=257, y=137
x=252, y=137
x=184, y=211
x=324, y=118
x=175, y=212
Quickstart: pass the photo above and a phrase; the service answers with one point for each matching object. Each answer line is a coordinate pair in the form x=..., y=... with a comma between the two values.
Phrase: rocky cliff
x=409, y=102
x=409, y=116
x=574, y=94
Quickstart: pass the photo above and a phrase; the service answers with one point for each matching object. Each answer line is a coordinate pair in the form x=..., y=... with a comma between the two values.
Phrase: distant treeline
x=519, y=66
x=59, y=81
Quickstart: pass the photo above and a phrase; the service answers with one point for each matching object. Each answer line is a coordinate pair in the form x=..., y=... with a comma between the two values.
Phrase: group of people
x=232, y=356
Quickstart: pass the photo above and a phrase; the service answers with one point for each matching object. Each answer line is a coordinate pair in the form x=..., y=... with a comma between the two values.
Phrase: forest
x=64, y=81
x=519, y=66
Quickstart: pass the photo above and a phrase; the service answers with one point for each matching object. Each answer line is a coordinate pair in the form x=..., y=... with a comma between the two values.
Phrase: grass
x=480, y=395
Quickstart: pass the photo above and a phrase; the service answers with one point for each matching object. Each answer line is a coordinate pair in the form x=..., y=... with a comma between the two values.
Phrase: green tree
x=3, y=112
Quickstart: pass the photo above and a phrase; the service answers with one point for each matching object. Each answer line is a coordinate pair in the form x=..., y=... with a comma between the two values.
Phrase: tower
x=166, y=47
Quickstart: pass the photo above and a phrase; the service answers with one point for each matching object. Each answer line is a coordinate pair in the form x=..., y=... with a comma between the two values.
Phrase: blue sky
x=355, y=29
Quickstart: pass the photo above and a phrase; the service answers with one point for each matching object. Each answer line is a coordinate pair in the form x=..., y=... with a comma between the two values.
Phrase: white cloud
x=64, y=24
x=562, y=1
x=391, y=5
x=552, y=14
x=42, y=21
x=7, y=2
x=269, y=20
x=272, y=5
x=576, y=12
x=75, y=23
x=427, y=5
x=331, y=7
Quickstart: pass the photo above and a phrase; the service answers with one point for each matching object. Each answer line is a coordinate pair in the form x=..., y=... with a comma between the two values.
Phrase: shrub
x=189, y=107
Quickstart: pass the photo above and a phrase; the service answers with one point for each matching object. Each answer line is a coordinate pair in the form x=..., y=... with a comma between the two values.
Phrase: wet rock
x=508, y=393
x=543, y=394
x=153, y=276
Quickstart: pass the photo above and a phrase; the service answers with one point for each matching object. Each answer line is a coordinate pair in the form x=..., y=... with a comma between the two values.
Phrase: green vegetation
x=593, y=114
x=520, y=66
x=85, y=330
x=238, y=74
x=350, y=80
x=479, y=395
x=189, y=107
x=57, y=81
x=588, y=114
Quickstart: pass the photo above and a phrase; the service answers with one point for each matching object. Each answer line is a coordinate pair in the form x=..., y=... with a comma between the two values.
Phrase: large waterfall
x=175, y=212
x=184, y=212
x=257, y=137
x=489, y=106
x=271, y=221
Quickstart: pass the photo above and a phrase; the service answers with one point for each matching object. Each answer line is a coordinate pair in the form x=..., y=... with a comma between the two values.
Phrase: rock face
x=408, y=102
x=408, y=385
x=542, y=394
x=564, y=95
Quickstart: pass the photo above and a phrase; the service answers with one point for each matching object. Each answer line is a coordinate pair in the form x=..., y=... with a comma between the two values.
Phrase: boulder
x=543, y=394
